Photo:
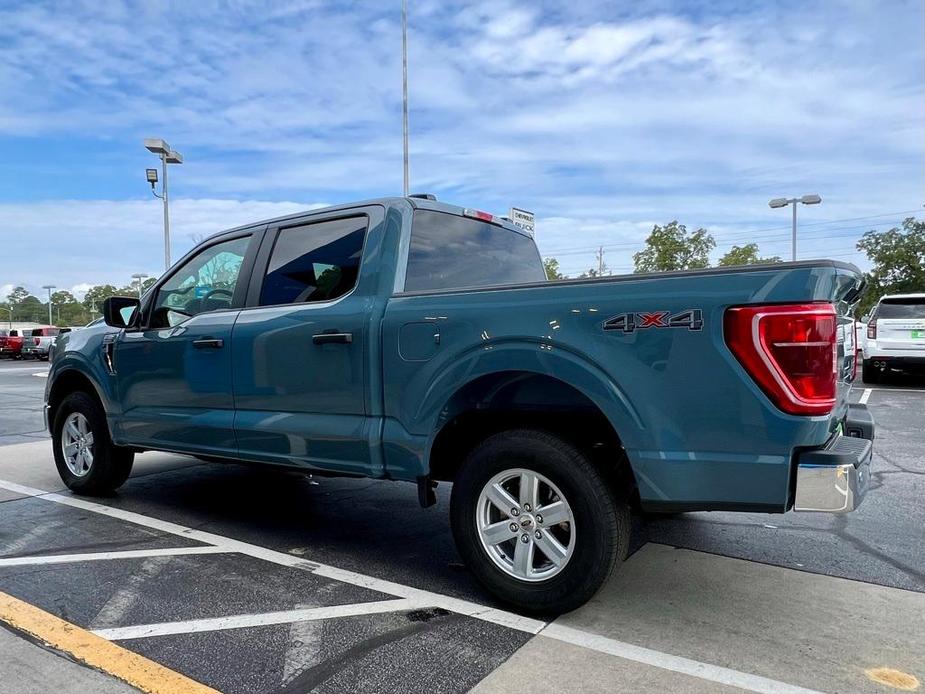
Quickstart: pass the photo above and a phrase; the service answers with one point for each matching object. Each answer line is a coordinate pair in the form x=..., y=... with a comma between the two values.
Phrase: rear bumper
x=835, y=479
x=872, y=350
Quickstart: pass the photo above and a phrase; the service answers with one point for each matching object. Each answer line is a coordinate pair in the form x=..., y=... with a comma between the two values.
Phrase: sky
x=602, y=117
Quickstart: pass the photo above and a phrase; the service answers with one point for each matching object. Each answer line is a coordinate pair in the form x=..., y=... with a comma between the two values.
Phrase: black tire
x=601, y=519
x=870, y=374
x=111, y=464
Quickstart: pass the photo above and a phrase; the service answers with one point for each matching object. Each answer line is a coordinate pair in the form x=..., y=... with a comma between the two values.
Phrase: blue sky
x=602, y=117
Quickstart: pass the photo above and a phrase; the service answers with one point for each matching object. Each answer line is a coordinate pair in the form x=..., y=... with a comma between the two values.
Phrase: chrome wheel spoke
x=497, y=533
x=554, y=513
x=529, y=488
x=72, y=429
x=501, y=499
x=552, y=548
x=523, y=559
x=88, y=457
x=88, y=439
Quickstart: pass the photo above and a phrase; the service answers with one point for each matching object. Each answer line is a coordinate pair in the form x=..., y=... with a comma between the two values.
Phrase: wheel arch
x=69, y=381
x=526, y=399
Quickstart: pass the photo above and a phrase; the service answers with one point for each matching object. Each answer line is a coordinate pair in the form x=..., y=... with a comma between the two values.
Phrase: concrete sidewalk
x=27, y=668
x=807, y=630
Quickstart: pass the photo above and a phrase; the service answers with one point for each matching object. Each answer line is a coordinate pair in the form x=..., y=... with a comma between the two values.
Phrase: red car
x=11, y=343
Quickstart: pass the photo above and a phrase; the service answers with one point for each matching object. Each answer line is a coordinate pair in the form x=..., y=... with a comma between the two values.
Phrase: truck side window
x=206, y=282
x=314, y=262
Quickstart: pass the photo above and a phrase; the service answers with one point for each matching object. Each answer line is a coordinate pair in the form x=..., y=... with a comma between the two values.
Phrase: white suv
x=895, y=336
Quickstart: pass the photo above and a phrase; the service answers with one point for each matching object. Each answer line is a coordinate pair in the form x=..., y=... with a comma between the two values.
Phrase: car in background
x=895, y=339
x=38, y=344
x=11, y=343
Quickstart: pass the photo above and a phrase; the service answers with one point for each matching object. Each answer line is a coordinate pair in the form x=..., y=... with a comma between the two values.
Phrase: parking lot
x=249, y=580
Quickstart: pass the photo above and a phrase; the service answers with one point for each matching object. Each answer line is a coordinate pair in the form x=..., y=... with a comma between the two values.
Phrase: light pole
x=783, y=202
x=139, y=276
x=167, y=156
x=49, y=287
x=404, y=94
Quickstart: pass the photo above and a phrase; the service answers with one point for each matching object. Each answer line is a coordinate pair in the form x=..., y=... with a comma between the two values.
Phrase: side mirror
x=121, y=311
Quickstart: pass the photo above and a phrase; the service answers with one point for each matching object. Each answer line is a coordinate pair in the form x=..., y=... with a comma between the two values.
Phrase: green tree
x=18, y=295
x=897, y=257
x=31, y=309
x=93, y=299
x=671, y=247
x=746, y=255
x=551, y=265
x=63, y=297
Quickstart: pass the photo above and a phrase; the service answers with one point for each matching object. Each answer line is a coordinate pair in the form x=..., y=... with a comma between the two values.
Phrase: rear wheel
x=537, y=522
x=869, y=373
x=87, y=460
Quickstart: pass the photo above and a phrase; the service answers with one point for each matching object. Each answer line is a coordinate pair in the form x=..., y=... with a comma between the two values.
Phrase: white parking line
x=865, y=396
x=41, y=374
x=98, y=556
x=666, y=661
x=262, y=619
x=418, y=597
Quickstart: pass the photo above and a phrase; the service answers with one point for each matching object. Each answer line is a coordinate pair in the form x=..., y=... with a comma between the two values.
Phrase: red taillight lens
x=37, y=341
x=790, y=351
x=872, y=330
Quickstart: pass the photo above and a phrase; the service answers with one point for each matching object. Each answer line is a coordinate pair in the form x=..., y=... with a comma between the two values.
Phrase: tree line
x=20, y=306
x=897, y=257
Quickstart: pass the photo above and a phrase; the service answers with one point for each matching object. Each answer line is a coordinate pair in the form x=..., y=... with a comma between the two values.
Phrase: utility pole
x=49, y=287
x=404, y=94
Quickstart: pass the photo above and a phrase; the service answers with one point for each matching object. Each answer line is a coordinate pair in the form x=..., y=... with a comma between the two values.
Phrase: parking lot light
x=140, y=277
x=811, y=199
x=49, y=287
x=167, y=156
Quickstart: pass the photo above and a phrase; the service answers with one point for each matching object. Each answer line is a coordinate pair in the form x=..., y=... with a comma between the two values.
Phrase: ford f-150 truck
x=406, y=339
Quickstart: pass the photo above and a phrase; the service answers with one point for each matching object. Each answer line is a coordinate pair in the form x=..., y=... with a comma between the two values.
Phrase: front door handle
x=209, y=343
x=330, y=338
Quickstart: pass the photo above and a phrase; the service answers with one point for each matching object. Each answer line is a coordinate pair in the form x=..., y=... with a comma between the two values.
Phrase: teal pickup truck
x=407, y=339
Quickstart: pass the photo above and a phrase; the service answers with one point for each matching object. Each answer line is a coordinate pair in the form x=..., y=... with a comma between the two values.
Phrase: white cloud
x=74, y=243
x=602, y=117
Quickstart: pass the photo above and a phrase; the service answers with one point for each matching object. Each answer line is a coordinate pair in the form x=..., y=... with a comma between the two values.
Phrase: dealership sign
x=524, y=219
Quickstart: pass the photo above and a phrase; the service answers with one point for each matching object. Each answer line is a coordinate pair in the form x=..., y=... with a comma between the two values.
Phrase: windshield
x=449, y=251
x=902, y=308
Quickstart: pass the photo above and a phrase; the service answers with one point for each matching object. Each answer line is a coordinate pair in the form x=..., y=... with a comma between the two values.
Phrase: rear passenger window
x=314, y=262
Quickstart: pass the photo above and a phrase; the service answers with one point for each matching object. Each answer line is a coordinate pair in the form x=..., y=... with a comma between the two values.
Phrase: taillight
x=37, y=341
x=872, y=330
x=790, y=351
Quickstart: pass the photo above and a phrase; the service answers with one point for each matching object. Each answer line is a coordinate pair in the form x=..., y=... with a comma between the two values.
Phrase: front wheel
x=87, y=460
x=537, y=522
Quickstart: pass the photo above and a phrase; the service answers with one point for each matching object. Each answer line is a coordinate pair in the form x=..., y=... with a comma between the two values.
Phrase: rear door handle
x=330, y=338
x=209, y=343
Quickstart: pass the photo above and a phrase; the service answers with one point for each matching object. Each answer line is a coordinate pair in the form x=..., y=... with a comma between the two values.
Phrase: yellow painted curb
x=97, y=652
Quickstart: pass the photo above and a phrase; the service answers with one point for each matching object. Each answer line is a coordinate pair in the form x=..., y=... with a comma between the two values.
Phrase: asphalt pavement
x=708, y=601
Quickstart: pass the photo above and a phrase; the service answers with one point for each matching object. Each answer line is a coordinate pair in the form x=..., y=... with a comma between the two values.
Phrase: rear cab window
x=911, y=307
x=450, y=252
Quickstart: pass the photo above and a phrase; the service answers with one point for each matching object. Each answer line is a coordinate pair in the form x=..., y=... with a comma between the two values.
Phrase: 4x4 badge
x=691, y=318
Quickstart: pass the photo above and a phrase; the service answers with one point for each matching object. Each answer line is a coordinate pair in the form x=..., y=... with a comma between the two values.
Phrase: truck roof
x=918, y=295
x=415, y=202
